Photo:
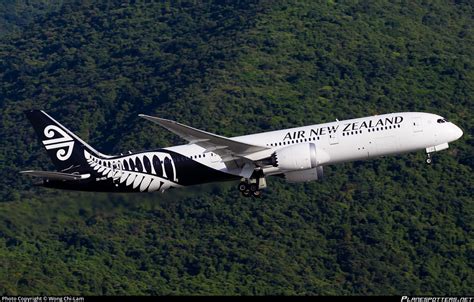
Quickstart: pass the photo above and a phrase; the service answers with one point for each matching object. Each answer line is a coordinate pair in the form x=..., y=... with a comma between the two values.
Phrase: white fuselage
x=348, y=140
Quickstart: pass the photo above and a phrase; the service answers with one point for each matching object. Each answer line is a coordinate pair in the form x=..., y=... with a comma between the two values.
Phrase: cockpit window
x=440, y=121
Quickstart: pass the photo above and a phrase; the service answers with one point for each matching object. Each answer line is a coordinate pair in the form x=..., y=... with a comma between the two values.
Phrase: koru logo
x=65, y=143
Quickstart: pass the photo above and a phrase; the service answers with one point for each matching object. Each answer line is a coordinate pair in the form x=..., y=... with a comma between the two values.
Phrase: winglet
x=156, y=119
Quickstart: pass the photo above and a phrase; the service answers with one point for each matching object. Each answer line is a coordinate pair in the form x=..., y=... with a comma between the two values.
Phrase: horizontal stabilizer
x=55, y=175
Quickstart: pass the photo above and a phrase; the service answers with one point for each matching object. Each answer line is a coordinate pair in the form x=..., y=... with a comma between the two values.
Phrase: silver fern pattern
x=144, y=172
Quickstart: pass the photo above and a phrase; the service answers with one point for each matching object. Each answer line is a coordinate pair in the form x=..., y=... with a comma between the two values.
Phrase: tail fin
x=64, y=147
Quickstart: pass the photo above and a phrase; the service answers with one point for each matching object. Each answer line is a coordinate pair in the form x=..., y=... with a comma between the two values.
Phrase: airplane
x=297, y=154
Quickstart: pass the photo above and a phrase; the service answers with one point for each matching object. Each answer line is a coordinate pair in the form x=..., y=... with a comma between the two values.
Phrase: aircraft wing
x=227, y=148
x=55, y=175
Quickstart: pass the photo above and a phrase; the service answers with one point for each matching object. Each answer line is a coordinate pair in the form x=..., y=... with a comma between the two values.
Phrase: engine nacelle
x=305, y=175
x=299, y=157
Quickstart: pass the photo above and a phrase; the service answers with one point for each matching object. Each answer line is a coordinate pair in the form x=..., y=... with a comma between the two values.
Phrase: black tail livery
x=65, y=149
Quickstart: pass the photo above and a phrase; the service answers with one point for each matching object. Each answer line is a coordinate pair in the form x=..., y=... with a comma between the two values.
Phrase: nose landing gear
x=429, y=160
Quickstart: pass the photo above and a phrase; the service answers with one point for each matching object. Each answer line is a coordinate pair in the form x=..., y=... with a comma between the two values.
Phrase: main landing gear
x=252, y=186
x=249, y=189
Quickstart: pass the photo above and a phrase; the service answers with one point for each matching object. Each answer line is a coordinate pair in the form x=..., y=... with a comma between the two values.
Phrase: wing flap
x=55, y=175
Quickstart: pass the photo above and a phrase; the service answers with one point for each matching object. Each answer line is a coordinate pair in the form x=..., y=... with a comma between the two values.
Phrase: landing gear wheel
x=253, y=188
x=242, y=187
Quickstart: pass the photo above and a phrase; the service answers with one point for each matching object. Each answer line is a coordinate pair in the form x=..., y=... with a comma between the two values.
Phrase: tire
x=242, y=187
x=257, y=194
x=253, y=188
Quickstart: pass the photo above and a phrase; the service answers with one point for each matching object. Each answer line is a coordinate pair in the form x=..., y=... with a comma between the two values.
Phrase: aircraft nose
x=457, y=132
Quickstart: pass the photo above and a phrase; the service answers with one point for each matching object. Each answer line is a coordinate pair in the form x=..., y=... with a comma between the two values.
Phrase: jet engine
x=299, y=157
x=305, y=175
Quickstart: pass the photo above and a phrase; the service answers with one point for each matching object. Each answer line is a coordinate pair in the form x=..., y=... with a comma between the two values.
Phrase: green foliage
x=18, y=14
x=389, y=226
